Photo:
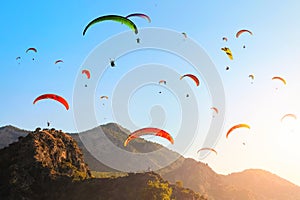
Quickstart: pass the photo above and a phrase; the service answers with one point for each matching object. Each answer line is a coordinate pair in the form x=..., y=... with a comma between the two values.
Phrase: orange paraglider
x=193, y=77
x=104, y=97
x=149, y=131
x=279, y=78
x=208, y=149
x=288, y=115
x=54, y=97
x=235, y=127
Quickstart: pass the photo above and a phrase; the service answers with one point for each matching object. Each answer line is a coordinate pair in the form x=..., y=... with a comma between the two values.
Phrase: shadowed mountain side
x=10, y=134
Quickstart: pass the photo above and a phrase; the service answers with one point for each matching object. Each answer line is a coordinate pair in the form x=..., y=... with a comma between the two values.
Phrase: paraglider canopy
x=115, y=18
x=53, y=97
x=139, y=15
x=236, y=127
x=193, y=77
x=208, y=149
x=149, y=131
x=87, y=73
x=228, y=52
x=242, y=31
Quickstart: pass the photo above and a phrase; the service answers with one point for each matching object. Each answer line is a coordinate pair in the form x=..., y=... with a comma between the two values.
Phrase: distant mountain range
x=252, y=184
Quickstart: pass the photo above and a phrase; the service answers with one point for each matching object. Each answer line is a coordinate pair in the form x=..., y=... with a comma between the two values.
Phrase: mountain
x=199, y=177
x=10, y=134
x=48, y=164
x=259, y=181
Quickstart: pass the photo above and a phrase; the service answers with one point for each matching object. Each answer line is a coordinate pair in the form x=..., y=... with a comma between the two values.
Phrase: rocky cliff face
x=28, y=166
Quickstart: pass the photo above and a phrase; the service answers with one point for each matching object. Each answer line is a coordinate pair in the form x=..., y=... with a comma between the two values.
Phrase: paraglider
x=228, y=52
x=193, y=77
x=115, y=18
x=184, y=34
x=225, y=39
x=138, y=40
x=252, y=78
x=208, y=149
x=112, y=63
x=87, y=73
x=48, y=123
x=162, y=82
x=236, y=127
x=288, y=115
x=279, y=78
x=215, y=109
x=149, y=131
x=139, y=15
x=31, y=49
x=104, y=97
x=58, y=61
x=227, y=68
x=53, y=97
x=242, y=31
x=18, y=58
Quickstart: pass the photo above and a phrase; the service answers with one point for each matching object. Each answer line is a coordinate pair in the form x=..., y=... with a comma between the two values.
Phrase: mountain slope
x=264, y=182
x=47, y=164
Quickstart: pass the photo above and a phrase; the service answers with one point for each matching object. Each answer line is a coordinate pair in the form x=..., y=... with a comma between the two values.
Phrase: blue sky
x=55, y=29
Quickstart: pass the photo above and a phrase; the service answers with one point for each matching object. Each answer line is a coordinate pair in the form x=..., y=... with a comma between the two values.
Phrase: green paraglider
x=116, y=18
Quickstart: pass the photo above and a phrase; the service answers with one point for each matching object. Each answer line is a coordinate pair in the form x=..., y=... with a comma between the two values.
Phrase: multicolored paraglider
x=115, y=18
x=288, y=115
x=53, y=97
x=87, y=73
x=31, y=49
x=242, y=31
x=162, y=82
x=225, y=39
x=149, y=131
x=236, y=127
x=139, y=15
x=193, y=77
x=104, y=97
x=208, y=149
x=228, y=52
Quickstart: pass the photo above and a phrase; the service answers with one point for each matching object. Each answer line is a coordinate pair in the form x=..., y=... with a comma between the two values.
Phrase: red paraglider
x=149, y=131
x=195, y=79
x=87, y=73
x=54, y=97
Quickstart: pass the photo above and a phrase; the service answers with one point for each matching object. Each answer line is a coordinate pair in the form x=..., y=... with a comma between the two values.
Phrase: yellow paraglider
x=228, y=52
